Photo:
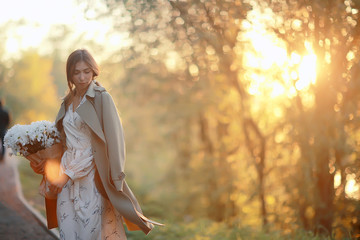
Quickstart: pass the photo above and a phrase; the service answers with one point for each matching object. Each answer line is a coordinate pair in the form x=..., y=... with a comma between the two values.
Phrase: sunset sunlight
x=352, y=187
x=306, y=72
x=271, y=68
x=39, y=24
x=269, y=57
x=240, y=116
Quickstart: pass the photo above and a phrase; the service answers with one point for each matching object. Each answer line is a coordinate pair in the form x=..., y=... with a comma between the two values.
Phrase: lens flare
x=52, y=168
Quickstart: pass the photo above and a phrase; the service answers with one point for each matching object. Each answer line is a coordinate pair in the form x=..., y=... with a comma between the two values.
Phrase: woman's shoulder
x=99, y=88
x=101, y=93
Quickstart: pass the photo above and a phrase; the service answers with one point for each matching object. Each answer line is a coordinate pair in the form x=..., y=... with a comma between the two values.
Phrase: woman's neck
x=80, y=93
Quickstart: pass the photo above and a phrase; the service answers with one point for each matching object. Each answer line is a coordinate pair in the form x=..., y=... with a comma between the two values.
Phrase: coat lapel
x=88, y=115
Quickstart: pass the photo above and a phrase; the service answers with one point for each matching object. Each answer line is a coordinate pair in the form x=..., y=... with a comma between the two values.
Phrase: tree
x=331, y=29
x=191, y=57
x=203, y=36
x=30, y=93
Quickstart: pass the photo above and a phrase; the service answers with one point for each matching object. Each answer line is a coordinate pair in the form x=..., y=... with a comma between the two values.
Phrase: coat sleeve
x=115, y=142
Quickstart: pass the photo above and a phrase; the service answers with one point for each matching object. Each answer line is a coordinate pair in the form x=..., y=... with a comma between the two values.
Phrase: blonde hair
x=75, y=57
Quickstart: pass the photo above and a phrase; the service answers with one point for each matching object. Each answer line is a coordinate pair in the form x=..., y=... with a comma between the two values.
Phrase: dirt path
x=17, y=219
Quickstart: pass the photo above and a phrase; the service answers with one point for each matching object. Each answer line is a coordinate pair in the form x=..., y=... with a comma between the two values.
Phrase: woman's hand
x=37, y=163
x=57, y=185
x=38, y=168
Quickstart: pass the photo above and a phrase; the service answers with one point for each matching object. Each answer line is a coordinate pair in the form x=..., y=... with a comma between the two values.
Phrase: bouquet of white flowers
x=40, y=143
x=29, y=139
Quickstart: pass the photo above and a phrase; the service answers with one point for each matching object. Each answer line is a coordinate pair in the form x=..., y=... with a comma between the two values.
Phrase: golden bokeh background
x=241, y=116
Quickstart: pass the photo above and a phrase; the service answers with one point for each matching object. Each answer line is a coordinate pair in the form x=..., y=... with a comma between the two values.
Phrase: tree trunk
x=256, y=145
x=325, y=192
x=324, y=180
x=216, y=209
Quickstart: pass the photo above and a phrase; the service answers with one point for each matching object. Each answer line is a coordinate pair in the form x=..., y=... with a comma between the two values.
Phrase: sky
x=42, y=15
x=42, y=11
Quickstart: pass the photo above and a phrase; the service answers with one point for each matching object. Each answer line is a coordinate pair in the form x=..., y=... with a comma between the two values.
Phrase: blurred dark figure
x=4, y=123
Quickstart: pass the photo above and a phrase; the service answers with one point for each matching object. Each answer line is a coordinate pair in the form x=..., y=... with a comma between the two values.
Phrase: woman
x=93, y=197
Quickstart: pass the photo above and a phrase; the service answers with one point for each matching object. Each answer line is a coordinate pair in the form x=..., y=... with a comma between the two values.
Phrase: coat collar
x=91, y=89
x=86, y=111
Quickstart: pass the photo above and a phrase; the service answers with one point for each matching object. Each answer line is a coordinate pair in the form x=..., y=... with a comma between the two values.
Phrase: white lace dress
x=82, y=212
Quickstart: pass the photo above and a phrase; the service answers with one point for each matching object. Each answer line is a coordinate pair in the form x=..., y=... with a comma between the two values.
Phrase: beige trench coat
x=109, y=153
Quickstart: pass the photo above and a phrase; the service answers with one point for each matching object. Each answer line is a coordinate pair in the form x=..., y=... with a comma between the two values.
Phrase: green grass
x=209, y=230
x=30, y=182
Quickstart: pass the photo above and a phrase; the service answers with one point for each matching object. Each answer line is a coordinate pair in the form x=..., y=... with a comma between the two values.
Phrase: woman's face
x=82, y=77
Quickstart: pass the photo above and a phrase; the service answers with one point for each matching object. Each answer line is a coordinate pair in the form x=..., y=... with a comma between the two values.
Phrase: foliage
x=226, y=115
x=326, y=149
x=28, y=89
x=221, y=120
